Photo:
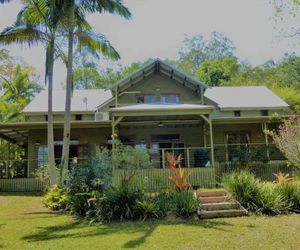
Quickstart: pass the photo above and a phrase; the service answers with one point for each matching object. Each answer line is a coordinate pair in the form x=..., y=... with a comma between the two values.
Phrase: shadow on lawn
x=75, y=230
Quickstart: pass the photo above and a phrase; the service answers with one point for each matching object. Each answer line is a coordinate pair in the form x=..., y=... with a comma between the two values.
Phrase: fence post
x=188, y=157
x=163, y=157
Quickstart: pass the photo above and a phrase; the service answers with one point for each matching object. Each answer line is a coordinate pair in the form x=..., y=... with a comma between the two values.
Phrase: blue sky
x=158, y=27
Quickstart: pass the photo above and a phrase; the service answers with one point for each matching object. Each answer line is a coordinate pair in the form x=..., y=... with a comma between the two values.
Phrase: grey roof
x=82, y=101
x=158, y=65
x=250, y=97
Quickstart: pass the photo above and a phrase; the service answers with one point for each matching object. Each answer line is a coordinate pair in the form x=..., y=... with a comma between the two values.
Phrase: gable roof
x=82, y=101
x=158, y=65
x=250, y=97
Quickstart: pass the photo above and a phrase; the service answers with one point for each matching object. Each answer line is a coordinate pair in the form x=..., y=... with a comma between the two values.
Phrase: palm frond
x=96, y=42
x=24, y=35
x=110, y=6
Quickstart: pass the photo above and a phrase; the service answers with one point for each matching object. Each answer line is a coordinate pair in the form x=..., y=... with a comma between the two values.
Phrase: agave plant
x=283, y=179
x=179, y=177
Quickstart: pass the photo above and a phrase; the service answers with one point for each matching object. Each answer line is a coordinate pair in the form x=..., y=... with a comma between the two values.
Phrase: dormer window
x=169, y=98
x=145, y=99
x=237, y=113
x=264, y=112
x=78, y=117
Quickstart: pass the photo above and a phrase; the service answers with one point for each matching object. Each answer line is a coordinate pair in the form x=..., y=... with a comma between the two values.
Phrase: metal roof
x=82, y=101
x=244, y=98
x=158, y=65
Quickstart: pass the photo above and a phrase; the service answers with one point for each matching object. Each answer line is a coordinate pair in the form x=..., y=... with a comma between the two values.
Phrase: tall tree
x=214, y=72
x=38, y=23
x=196, y=50
x=74, y=28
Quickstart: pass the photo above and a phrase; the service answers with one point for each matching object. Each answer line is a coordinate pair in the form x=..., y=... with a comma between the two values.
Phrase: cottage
x=161, y=109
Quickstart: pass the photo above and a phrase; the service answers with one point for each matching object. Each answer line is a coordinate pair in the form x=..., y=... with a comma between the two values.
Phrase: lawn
x=26, y=224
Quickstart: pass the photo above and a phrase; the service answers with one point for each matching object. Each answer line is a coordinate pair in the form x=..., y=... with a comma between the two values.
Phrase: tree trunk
x=67, y=118
x=50, y=139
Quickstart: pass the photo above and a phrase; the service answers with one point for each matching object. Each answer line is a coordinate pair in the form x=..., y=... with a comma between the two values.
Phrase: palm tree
x=73, y=8
x=36, y=23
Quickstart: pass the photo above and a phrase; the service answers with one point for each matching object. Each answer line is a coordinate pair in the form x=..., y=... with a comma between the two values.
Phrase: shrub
x=179, y=175
x=244, y=187
x=146, y=209
x=185, y=203
x=282, y=179
x=164, y=202
x=78, y=204
x=271, y=201
x=119, y=202
x=56, y=198
x=291, y=192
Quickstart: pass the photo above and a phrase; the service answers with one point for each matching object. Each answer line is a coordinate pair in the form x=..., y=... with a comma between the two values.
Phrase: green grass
x=26, y=224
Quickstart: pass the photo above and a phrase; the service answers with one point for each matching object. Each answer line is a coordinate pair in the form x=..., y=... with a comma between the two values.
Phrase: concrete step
x=219, y=206
x=214, y=199
x=212, y=193
x=203, y=214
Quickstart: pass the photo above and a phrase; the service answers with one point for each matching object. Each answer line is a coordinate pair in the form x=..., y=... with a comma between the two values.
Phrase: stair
x=217, y=204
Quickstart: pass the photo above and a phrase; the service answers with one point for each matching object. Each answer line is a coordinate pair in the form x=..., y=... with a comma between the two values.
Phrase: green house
x=161, y=109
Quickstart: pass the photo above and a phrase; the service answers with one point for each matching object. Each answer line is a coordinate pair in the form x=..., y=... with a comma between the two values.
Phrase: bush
x=291, y=192
x=146, y=209
x=271, y=201
x=119, y=202
x=78, y=204
x=185, y=203
x=244, y=187
x=56, y=198
x=164, y=203
x=95, y=174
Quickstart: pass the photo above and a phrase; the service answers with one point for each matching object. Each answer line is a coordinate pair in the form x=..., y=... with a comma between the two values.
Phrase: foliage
x=287, y=140
x=19, y=85
x=128, y=157
x=264, y=197
x=197, y=50
x=179, y=177
x=282, y=179
x=164, y=202
x=146, y=209
x=271, y=201
x=291, y=191
x=56, y=198
x=244, y=187
x=185, y=203
x=42, y=173
x=119, y=202
x=89, y=74
x=95, y=174
x=78, y=203
x=214, y=72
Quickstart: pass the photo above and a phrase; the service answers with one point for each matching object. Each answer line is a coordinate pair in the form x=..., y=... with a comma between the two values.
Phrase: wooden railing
x=154, y=179
x=21, y=185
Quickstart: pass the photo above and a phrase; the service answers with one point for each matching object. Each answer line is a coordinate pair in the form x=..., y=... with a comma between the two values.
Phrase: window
x=169, y=98
x=42, y=156
x=146, y=99
x=264, y=112
x=78, y=117
x=237, y=113
x=237, y=146
x=46, y=118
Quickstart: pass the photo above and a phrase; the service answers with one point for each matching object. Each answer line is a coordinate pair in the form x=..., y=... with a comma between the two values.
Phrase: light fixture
x=37, y=143
x=160, y=124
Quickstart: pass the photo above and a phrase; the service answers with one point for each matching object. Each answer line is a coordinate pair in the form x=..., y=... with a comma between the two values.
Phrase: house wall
x=42, y=118
x=92, y=137
x=190, y=135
